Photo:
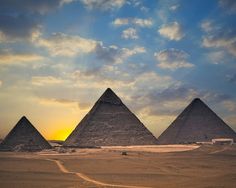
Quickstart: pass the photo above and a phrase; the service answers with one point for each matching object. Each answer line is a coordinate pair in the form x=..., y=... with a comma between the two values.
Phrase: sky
x=58, y=56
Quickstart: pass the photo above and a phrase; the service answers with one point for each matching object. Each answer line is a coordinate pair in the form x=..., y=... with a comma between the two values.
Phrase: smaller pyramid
x=109, y=123
x=24, y=137
x=197, y=123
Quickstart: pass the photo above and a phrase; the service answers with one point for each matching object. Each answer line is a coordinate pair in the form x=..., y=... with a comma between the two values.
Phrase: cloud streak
x=103, y=4
x=60, y=44
x=222, y=39
x=172, y=59
x=45, y=80
x=10, y=57
x=133, y=21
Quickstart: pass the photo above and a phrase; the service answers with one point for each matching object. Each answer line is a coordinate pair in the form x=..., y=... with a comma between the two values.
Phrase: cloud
x=231, y=78
x=142, y=22
x=170, y=98
x=60, y=44
x=151, y=80
x=219, y=38
x=17, y=27
x=229, y=105
x=130, y=52
x=10, y=57
x=172, y=59
x=228, y=5
x=172, y=31
x=120, y=21
x=103, y=4
x=223, y=39
x=45, y=80
x=133, y=21
x=174, y=7
x=207, y=26
x=32, y=6
x=217, y=57
x=21, y=20
x=115, y=55
x=55, y=101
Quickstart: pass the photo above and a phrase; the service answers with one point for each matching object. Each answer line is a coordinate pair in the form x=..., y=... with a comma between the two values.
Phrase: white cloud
x=103, y=4
x=130, y=33
x=120, y=21
x=223, y=40
x=142, y=22
x=60, y=44
x=130, y=52
x=14, y=58
x=174, y=7
x=220, y=38
x=134, y=21
x=153, y=79
x=45, y=80
x=172, y=59
x=172, y=31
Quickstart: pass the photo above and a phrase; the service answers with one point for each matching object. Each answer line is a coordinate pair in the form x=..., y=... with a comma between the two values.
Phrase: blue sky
x=58, y=56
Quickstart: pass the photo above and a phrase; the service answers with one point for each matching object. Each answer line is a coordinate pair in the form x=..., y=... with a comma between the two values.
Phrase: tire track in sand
x=88, y=179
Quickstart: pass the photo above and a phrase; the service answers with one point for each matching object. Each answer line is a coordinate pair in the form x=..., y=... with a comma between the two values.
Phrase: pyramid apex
x=23, y=118
x=108, y=89
x=197, y=100
x=109, y=97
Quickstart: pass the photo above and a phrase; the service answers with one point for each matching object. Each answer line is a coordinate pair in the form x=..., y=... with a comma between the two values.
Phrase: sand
x=206, y=166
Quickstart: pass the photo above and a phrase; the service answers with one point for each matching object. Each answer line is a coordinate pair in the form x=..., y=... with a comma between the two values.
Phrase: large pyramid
x=110, y=123
x=24, y=137
x=197, y=123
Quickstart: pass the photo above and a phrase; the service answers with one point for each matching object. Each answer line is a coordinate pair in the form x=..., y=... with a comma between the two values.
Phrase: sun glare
x=61, y=134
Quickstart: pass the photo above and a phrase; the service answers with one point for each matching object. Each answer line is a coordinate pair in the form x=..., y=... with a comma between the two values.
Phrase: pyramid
x=24, y=137
x=109, y=123
x=197, y=123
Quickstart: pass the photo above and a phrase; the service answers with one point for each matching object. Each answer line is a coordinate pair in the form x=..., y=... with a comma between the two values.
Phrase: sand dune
x=206, y=166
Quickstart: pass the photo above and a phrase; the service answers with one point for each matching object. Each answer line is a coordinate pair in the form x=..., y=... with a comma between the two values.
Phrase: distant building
x=24, y=137
x=197, y=123
x=109, y=123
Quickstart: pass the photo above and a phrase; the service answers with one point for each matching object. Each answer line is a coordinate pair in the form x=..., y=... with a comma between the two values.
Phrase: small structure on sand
x=223, y=141
x=197, y=123
x=109, y=123
x=24, y=137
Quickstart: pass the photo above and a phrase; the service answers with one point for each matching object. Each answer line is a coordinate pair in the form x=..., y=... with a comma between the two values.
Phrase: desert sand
x=152, y=166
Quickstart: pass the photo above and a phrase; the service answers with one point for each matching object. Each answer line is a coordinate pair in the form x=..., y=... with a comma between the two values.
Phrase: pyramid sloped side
x=197, y=123
x=110, y=124
x=24, y=136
